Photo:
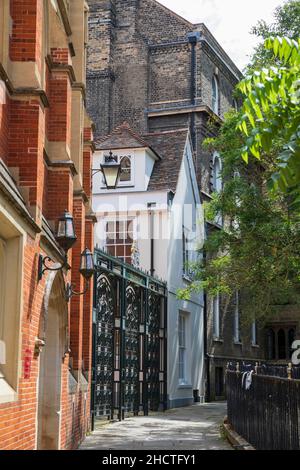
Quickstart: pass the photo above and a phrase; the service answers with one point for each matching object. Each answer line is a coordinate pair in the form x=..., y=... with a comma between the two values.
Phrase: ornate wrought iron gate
x=129, y=340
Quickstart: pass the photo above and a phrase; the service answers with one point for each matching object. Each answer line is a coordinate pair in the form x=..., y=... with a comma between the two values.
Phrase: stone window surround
x=12, y=246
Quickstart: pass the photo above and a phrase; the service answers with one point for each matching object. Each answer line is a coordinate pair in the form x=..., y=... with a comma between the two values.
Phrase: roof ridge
x=124, y=126
x=173, y=13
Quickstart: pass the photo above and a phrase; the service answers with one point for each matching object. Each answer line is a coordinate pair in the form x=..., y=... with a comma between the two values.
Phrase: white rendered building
x=154, y=220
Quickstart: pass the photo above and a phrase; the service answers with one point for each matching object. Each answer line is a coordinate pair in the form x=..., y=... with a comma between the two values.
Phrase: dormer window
x=126, y=174
x=215, y=95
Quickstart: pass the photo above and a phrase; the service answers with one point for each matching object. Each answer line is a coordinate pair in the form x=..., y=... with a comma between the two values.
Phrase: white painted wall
x=142, y=165
x=186, y=194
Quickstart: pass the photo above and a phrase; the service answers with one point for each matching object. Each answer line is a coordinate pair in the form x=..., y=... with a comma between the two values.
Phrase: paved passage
x=191, y=428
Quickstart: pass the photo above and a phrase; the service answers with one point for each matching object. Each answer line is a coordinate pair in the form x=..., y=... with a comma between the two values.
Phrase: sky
x=230, y=21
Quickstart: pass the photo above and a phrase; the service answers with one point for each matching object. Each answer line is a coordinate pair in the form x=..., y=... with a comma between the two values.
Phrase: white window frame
x=186, y=253
x=216, y=316
x=116, y=219
x=237, y=329
x=215, y=95
x=217, y=181
x=182, y=352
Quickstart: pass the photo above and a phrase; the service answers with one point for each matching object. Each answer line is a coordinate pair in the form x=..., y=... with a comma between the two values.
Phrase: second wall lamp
x=66, y=238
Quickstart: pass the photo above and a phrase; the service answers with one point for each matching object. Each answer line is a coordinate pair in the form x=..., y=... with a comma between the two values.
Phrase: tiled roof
x=170, y=146
x=121, y=137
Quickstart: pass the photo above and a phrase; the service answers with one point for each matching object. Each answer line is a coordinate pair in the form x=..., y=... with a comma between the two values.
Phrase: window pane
x=281, y=345
x=125, y=169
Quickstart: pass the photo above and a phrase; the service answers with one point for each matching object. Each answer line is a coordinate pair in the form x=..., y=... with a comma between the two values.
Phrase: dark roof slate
x=170, y=146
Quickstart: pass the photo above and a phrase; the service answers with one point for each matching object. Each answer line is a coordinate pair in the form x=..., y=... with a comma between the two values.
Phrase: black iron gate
x=129, y=340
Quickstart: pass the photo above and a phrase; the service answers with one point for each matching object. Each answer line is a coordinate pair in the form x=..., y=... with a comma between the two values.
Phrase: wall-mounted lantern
x=111, y=170
x=87, y=270
x=66, y=238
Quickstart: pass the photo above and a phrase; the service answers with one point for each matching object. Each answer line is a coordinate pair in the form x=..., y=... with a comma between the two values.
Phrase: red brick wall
x=24, y=126
x=60, y=105
x=26, y=37
x=59, y=193
x=26, y=137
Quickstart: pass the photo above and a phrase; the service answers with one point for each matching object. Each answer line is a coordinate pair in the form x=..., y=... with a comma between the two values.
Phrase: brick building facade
x=161, y=73
x=45, y=168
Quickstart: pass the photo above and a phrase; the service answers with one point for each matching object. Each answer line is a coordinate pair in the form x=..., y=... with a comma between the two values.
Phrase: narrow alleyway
x=191, y=428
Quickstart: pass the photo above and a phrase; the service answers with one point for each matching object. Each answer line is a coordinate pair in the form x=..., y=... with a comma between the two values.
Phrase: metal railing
x=266, y=410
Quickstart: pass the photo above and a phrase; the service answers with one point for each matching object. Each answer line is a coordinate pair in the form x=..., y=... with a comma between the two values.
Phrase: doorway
x=49, y=394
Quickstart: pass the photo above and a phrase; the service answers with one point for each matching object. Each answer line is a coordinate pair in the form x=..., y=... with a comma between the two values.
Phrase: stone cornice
x=53, y=66
x=15, y=92
x=184, y=110
x=11, y=193
x=80, y=193
x=60, y=164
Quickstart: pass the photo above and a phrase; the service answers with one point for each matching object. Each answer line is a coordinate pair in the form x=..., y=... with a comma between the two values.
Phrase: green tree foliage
x=257, y=251
x=271, y=113
x=286, y=23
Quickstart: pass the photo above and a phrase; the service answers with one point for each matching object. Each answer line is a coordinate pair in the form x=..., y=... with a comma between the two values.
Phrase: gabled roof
x=120, y=138
x=170, y=145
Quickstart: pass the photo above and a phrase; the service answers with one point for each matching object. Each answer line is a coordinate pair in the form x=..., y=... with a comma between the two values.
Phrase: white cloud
x=230, y=21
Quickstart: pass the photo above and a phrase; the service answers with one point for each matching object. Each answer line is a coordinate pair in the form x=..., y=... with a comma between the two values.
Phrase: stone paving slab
x=190, y=428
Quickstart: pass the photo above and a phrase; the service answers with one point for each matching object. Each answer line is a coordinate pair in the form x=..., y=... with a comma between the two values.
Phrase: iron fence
x=269, y=369
x=129, y=340
x=267, y=414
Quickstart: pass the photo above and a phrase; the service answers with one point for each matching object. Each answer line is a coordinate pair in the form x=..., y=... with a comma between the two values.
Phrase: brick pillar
x=59, y=194
x=26, y=37
x=78, y=281
x=26, y=137
x=59, y=87
x=87, y=162
x=60, y=102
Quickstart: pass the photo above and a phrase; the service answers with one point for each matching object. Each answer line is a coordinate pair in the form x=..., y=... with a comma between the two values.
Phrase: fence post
x=237, y=367
x=256, y=368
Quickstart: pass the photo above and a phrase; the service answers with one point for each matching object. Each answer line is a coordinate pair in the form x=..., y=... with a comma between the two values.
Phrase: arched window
x=215, y=95
x=125, y=175
x=217, y=177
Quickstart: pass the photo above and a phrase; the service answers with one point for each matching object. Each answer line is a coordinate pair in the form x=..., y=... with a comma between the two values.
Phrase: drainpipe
x=151, y=215
x=205, y=340
x=193, y=39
